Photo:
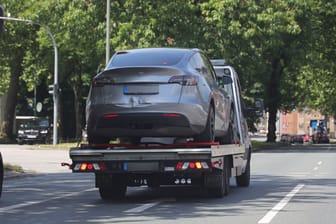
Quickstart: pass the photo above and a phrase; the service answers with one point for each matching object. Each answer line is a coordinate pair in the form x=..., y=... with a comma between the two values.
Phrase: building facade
x=303, y=121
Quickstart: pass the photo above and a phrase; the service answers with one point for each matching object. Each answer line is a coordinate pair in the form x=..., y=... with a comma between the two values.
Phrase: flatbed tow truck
x=208, y=165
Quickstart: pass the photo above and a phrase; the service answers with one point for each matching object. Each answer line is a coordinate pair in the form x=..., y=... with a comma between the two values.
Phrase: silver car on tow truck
x=158, y=92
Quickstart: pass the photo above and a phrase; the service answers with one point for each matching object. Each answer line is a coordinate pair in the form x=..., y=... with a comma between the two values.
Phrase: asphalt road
x=289, y=185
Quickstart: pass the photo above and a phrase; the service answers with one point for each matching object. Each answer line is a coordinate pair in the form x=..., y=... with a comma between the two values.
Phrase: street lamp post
x=55, y=93
x=108, y=15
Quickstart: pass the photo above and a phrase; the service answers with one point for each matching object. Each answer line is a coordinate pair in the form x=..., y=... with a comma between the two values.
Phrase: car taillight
x=110, y=115
x=171, y=115
x=102, y=81
x=185, y=80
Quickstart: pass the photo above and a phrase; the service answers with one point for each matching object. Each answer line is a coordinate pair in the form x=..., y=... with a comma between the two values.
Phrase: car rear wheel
x=98, y=140
x=208, y=135
x=229, y=137
x=130, y=140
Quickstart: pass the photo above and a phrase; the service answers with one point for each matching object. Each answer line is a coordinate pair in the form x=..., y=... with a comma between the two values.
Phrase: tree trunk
x=273, y=91
x=3, y=104
x=9, y=112
x=78, y=104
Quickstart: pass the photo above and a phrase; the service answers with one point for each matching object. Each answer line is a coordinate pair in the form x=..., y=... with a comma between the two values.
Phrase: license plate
x=141, y=166
x=141, y=89
x=31, y=136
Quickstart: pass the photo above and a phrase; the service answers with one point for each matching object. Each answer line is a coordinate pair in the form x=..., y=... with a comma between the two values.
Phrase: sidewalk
x=34, y=160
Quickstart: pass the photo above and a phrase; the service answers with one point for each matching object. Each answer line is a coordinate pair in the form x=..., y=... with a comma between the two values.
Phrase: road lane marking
x=278, y=207
x=29, y=203
x=142, y=208
x=146, y=206
x=318, y=166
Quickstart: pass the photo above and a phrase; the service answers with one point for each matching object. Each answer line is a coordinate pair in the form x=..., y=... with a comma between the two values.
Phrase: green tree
x=77, y=31
x=319, y=74
x=267, y=42
x=14, y=43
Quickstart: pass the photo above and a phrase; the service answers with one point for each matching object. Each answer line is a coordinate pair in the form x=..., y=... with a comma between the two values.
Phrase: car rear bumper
x=164, y=120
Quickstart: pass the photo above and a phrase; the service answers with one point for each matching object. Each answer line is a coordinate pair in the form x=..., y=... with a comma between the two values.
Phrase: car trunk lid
x=136, y=86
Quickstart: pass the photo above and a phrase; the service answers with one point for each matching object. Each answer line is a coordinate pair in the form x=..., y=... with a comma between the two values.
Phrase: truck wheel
x=1, y=174
x=222, y=181
x=208, y=135
x=153, y=182
x=112, y=187
x=244, y=179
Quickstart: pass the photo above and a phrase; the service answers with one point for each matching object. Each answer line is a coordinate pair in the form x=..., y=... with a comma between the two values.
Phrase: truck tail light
x=194, y=165
x=88, y=167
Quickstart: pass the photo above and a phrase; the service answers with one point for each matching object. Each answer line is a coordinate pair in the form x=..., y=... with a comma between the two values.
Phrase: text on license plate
x=141, y=89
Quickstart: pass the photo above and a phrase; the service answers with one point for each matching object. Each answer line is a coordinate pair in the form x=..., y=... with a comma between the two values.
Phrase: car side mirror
x=224, y=80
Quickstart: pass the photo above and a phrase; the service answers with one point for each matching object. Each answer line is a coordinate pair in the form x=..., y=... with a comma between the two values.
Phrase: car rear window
x=146, y=58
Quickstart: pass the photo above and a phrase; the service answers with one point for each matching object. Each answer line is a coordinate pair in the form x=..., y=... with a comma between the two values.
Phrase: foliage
x=279, y=48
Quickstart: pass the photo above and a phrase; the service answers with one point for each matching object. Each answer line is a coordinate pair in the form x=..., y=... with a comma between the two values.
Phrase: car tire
x=98, y=140
x=208, y=135
x=229, y=138
x=130, y=140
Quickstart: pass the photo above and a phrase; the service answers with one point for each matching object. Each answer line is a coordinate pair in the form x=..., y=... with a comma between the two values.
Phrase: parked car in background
x=299, y=138
x=285, y=138
x=320, y=137
x=35, y=130
x=158, y=92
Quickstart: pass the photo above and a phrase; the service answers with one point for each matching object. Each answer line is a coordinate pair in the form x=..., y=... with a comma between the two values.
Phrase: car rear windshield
x=146, y=58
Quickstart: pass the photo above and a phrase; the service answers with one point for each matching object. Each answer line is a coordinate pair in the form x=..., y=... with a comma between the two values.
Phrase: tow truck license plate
x=141, y=166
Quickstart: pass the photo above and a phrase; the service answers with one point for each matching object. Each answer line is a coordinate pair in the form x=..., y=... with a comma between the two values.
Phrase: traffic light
x=2, y=13
x=51, y=89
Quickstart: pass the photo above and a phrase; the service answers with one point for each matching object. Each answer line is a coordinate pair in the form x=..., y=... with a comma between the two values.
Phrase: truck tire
x=220, y=181
x=208, y=135
x=111, y=186
x=1, y=174
x=244, y=179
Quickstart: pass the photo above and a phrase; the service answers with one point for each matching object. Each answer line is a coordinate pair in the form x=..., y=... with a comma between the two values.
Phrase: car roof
x=154, y=57
x=154, y=49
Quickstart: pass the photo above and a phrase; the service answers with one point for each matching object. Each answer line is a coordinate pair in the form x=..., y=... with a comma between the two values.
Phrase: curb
x=8, y=174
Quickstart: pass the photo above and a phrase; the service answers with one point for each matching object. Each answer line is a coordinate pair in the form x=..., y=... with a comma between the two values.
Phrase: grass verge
x=12, y=168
